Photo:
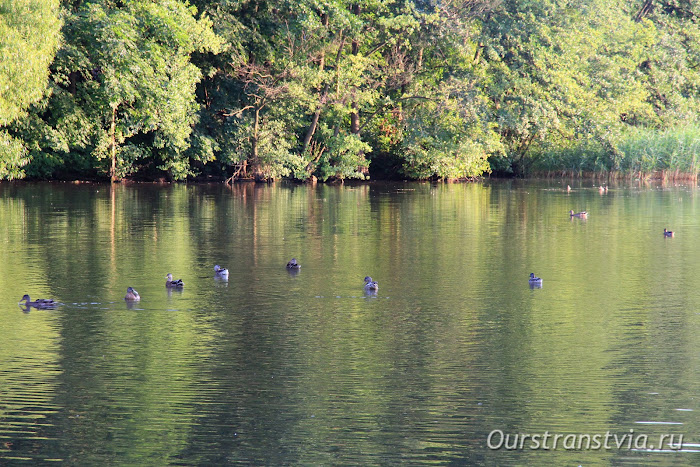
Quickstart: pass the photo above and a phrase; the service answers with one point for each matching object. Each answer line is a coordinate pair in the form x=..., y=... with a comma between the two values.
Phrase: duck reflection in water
x=178, y=291
x=293, y=272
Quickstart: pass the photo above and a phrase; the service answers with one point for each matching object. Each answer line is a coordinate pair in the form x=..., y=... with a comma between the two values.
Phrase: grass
x=670, y=154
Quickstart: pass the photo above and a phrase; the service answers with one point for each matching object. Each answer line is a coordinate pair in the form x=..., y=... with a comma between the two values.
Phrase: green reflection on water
x=277, y=368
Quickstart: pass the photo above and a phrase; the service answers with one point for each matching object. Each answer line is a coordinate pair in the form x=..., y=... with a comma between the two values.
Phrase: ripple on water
x=273, y=368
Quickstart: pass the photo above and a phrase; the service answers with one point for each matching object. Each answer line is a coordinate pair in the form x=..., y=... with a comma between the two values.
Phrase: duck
x=170, y=283
x=578, y=214
x=370, y=284
x=534, y=280
x=221, y=272
x=132, y=295
x=292, y=264
x=39, y=303
x=668, y=233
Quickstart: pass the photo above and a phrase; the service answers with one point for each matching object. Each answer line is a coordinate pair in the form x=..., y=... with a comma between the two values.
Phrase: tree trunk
x=113, y=144
x=314, y=122
x=477, y=54
x=355, y=119
x=73, y=77
x=644, y=10
x=355, y=114
x=254, y=157
x=317, y=114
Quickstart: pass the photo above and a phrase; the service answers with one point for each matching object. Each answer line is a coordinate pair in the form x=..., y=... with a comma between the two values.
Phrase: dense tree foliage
x=333, y=90
x=123, y=89
x=30, y=32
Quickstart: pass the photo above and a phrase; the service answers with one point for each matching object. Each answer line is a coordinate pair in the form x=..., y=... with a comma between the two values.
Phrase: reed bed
x=646, y=154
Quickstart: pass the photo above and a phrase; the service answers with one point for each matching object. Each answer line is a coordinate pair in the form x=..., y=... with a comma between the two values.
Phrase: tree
x=126, y=73
x=30, y=32
x=433, y=117
x=562, y=74
x=302, y=87
x=445, y=136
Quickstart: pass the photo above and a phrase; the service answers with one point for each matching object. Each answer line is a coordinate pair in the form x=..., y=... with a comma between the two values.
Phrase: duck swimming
x=534, y=280
x=170, y=283
x=220, y=272
x=292, y=264
x=370, y=284
x=132, y=295
x=581, y=214
x=39, y=303
x=668, y=233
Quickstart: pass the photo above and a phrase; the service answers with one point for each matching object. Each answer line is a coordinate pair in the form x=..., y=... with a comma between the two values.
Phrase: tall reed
x=675, y=150
x=672, y=153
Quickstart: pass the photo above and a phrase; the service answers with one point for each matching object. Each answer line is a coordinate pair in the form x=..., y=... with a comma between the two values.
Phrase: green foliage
x=126, y=69
x=275, y=89
x=30, y=37
x=640, y=152
x=274, y=158
x=30, y=32
x=648, y=150
x=563, y=74
x=578, y=83
x=314, y=76
x=445, y=138
x=342, y=156
x=12, y=157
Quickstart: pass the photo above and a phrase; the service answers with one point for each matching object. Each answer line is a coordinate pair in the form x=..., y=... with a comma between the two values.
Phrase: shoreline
x=659, y=177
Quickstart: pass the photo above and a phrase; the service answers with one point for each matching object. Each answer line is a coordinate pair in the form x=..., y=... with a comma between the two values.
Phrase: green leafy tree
x=445, y=138
x=266, y=80
x=433, y=116
x=30, y=32
x=563, y=73
x=126, y=74
x=304, y=86
x=418, y=88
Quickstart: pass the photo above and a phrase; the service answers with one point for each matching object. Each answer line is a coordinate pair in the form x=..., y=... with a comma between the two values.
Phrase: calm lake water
x=274, y=368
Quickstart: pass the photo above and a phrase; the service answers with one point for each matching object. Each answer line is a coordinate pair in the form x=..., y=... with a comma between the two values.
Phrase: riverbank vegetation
x=255, y=89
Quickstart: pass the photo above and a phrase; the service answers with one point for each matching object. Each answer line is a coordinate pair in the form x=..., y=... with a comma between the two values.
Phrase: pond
x=453, y=357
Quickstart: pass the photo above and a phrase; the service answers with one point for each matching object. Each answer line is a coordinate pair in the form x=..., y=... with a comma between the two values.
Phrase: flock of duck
x=222, y=273
x=133, y=296
x=536, y=282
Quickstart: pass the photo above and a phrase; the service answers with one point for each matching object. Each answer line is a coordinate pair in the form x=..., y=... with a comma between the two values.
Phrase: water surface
x=278, y=368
